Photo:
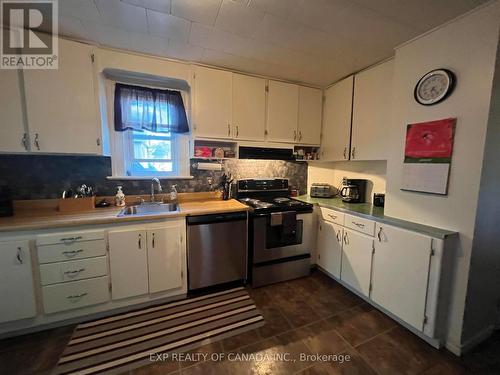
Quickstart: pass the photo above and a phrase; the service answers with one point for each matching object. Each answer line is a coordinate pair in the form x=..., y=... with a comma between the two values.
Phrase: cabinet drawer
x=71, y=251
x=66, y=238
x=359, y=224
x=75, y=294
x=62, y=272
x=332, y=215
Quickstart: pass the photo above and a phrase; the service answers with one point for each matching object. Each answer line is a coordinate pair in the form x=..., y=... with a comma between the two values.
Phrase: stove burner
x=281, y=200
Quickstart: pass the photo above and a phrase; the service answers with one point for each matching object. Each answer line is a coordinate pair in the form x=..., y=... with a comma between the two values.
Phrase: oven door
x=266, y=242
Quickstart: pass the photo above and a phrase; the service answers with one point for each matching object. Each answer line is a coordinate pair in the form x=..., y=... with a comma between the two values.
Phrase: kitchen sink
x=145, y=209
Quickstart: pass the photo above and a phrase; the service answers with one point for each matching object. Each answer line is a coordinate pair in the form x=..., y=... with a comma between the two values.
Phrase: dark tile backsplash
x=46, y=176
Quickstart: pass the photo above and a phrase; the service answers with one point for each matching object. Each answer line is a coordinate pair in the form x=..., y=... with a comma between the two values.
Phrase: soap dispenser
x=173, y=194
x=120, y=197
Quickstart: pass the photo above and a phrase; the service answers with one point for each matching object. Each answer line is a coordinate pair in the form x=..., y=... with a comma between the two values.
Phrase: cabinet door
x=336, y=133
x=357, y=260
x=61, y=103
x=13, y=137
x=330, y=247
x=212, y=103
x=249, y=108
x=165, y=258
x=310, y=107
x=16, y=282
x=282, y=112
x=128, y=261
x=371, y=112
x=400, y=273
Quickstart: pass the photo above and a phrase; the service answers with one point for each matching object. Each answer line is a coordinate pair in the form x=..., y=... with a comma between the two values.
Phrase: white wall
x=483, y=292
x=467, y=46
x=333, y=173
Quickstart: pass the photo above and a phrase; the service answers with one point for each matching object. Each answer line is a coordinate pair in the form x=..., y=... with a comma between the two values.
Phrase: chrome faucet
x=153, y=180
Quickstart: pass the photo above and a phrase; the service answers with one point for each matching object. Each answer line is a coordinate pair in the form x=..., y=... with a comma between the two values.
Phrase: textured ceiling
x=311, y=41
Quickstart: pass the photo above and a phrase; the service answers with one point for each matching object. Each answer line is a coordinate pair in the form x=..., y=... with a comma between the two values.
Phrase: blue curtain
x=144, y=108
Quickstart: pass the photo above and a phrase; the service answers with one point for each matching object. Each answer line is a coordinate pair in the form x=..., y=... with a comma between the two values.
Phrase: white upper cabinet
x=16, y=282
x=310, y=105
x=212, y=103
x=249, y=108
x=335, y=141
x=61, y=104
x=13, y=137
x=371, y=112
x=282, y=112
x=400, y=273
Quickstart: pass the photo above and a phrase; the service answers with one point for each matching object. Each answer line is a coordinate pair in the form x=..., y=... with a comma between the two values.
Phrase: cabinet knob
x=24, y=141
x=37, y=142
x=379, y=234
x=19, y=255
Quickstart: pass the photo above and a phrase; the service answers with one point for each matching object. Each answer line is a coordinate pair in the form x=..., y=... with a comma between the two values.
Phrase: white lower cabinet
x=357, y=252
x=146, y=259
x=75, y=294
x=330, y=247
x=400, y=273
x=165, y=258
x=128, y=260
x=16, y=282
x=61, y=272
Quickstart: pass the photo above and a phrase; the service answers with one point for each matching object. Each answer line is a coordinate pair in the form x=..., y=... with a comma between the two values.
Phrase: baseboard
x=471, y=343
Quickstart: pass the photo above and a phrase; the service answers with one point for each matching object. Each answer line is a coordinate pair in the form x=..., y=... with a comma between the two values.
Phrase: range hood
x=266, y=153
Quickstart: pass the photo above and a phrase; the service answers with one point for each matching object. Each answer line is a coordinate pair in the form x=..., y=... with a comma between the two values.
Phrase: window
x=148, y=123
x=151, y=154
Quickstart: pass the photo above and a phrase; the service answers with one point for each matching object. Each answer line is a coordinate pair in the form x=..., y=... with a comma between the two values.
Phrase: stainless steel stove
x=280, y=244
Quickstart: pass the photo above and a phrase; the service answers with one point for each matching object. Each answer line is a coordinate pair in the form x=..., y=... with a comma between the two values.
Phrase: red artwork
x=430, y=140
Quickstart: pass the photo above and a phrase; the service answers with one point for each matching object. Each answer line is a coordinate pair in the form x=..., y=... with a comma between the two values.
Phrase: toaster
x=323, y=191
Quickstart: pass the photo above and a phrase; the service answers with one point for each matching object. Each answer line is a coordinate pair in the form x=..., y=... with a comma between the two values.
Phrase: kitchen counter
x=51, y=218
x=369, y=211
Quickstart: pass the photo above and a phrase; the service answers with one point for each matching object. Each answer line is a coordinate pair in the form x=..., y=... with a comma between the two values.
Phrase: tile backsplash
x=46, y=176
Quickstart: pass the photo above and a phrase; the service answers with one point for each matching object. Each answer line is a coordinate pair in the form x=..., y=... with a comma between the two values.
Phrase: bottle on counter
x=120, y=197
x=173, y=194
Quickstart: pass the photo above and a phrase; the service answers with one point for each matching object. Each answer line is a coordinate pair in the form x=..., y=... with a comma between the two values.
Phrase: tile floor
x=305, y=316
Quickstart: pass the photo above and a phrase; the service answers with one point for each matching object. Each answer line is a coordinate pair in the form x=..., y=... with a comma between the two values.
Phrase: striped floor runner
x=122, y=342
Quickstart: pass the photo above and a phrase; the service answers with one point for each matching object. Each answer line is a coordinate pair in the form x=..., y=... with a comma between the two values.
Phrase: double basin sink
x=145, y=209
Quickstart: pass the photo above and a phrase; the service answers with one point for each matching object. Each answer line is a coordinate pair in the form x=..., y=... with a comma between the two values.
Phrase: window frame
x=119, y=145
x=129, y=157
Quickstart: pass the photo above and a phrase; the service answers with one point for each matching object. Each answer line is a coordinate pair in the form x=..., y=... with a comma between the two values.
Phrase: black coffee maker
x=353, y=191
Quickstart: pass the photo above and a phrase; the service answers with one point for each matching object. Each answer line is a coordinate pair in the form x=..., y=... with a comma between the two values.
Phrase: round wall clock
x=434, y=86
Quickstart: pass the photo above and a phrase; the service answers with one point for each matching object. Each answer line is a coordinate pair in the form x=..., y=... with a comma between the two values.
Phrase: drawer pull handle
x=74, y=273
x=339, y=239
x=74, y=296
x=139, y=242
x=334, y=217
x=71, y=239
x=153, y=242
x=379, y=235
x=346, y=239
x=359, y=225
x=19, y=255
x=72, y=253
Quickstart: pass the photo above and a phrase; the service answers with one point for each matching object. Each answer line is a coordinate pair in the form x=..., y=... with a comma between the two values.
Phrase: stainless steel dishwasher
x=217, y=249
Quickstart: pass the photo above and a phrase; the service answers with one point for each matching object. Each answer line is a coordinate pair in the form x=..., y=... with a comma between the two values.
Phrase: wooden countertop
x=47, y=218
